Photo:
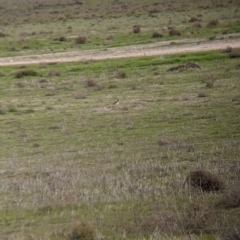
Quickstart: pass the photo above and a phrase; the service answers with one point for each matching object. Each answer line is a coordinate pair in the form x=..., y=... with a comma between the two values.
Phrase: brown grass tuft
x=227, y=50
x=230, y=199
x=90, y=83
x=80, y=40
x=82, y=231
x=174, y=32
x=156, y=34
x=213, y=22
x=25, y=73
x=234, y=54
x=205, y=181
x=200, y=218
x=136, y=29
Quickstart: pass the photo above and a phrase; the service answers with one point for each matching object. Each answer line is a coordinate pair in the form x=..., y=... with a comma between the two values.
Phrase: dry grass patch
x=204, y=181
x=81, y=40
x=82, y=231
x=25, y=73
x=200, y=218
x=136, y=29
x=174, y=32
x=213, y=22
x=157, y=34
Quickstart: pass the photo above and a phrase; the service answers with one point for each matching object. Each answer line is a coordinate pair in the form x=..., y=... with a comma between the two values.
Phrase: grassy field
x=53, y=26
x=75, y=165
x=69, y=154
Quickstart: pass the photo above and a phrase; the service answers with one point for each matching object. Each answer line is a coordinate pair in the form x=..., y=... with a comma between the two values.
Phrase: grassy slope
x=119, y=167
x=31, y=28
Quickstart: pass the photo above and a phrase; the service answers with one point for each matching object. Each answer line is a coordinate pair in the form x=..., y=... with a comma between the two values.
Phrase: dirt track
x=156, y=49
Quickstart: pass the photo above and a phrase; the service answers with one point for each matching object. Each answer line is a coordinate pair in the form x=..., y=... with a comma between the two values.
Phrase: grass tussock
x=156, y=34
x=81, y=231
x=81, y=40
x=136, y=29
x=25, y=73
x=174, y=32
x=205, y=181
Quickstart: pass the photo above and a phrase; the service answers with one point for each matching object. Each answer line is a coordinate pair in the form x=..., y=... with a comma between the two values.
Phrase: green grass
x=39, y=33
x=119, y=167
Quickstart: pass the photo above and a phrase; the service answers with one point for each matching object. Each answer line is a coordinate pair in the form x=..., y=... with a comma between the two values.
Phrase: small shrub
x=79, y=95
x=197, y=25
x=227, y=50
x=200, y=218
x=234, y=54
x=193, y=19
x=136, y=29
x=213, y=22
x=205, y=181
x=62, y=39
x=25, y=73
x=12, y=108
x=209, y=84
x=80, y=40
x=82, y=231
x=201, y=95
x=90, y=83
x=212, y=38
x=230, y=199
x=174, y=32
x=232, y=233
x=157, y=34
x=2, y=35
x=2, y=111
x=119, y=74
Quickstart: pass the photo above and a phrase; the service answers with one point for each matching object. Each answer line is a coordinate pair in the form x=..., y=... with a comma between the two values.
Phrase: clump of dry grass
x=194, y=19
x=174, y=32
x=119, y=74
x=228, y=49
x=230, y=199
x=205, y=181
x=79, y=95
x=136, y=29
x=213, y=22
x=80, y=40
x=200, y=95
x=156, y=34
x=234, y=54
x=90, y=83
x=199, y=218
x=232, y=233
x=164, y=221
x=82, y=231
x=62, y=39
x=25, y=73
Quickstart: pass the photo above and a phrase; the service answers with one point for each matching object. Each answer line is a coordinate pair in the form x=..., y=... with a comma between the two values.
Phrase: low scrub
x=174, y=32
x=157, y=34
x=213, y=22
x=136, y=29
x=204, y=181
x=82, y=231
x=80, y=40
x=25, y=73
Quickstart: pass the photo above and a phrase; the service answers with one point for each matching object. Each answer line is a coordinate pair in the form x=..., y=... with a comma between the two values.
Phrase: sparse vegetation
x=25, y=73
x=81, y=40
x=205, y=181
x=121, y=167
x=174, y=32
x=157, y=34
x=82, y=231
x=136, y=29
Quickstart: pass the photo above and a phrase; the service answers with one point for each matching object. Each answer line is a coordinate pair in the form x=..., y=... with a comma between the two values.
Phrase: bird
x=116, y=102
